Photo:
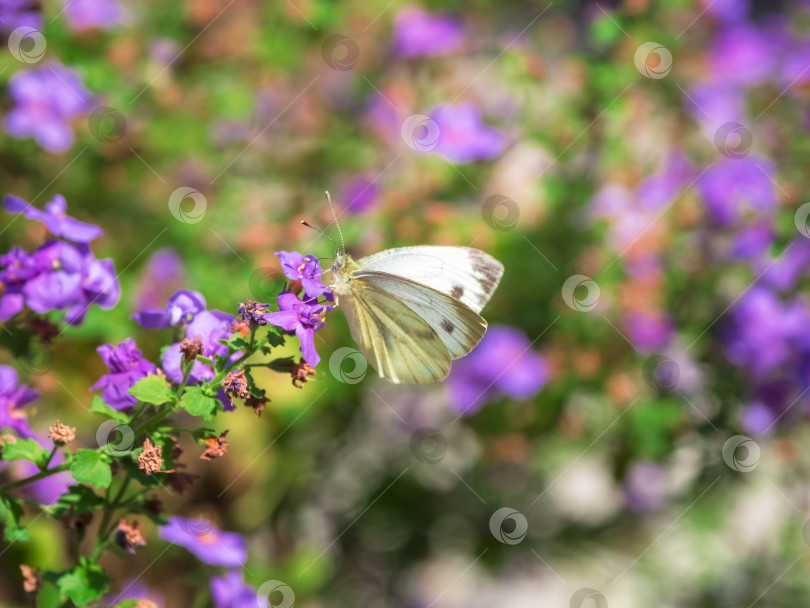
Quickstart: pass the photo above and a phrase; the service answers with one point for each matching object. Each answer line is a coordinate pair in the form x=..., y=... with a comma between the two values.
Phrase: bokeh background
x=630, y=433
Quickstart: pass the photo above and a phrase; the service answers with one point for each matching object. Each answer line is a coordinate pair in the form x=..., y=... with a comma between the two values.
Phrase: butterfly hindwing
x=458, y=326
x=466, y=274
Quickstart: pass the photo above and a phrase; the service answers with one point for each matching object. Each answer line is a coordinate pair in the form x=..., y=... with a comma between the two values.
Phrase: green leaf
x=93, y=467
x=49, y=596
x=196, y=403
x=85, y=584
x=26, y=449
x=79, y=498
x=10, y=514
x=152, y=389
x=99, y=406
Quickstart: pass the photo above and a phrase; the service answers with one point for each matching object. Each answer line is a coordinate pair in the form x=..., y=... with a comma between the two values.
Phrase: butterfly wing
x=398, y=343
x=467, y=274
x=458, y=326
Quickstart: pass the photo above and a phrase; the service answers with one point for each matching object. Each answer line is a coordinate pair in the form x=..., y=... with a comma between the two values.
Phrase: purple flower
x=162, y=275
x=206, y=541
x=417, y=33
x=127, y=366
x=744, y=54
x=757, y=418
x=735, y=185
x=502, y=364
x=661, y=188
x=230, y=591
x=16, y=267
x=55, y=218
x=716, y=104
x=305, y=318
x=360, y=194
x=212, y=326
x=182, y=307
x=19, y=13
x=93, y=14
x=46, y=101
x=784, y=272
x=304, y=268
x=13, y=399
x=463, y=137
x=752, y=242
x=253, y=312
x=727, y=10
x=645, y=486
x=649, y=331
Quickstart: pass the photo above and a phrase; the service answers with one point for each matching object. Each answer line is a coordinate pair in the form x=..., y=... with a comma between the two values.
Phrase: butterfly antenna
x=334, y=215
x=308, y=225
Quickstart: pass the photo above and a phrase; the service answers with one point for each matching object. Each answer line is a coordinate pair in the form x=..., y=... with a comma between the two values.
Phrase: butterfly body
x=412, y=310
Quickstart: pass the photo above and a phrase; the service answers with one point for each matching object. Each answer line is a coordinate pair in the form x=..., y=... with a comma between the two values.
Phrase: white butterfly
x=412, y=310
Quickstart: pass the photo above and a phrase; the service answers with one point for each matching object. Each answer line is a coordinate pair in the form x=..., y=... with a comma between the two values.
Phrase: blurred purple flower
x=13, y=399
x=727, y=10
x=502, y=364
x=18, y=13
x=304, y=268
x=305, y=318
x=649, y=331
x=360, y=194
x=230, y=591
x=784, y=272
x=645, y=486
x=735, y=185
x=752, y=242
x=757, y=418
x=206, y=541
x=163, y=274
x=55, y=218
x=716, y=104
x=212, y=326
x=93, y=14
x=127, y=366
x=661, y=188
x=463, y=137
x=418, y=33
x=16, y=267
x=46, y=99
x=135, y=590
x=182, y=307
x=745, y=54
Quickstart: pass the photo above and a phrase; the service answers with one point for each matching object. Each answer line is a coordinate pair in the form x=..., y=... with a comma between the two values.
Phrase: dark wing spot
x=457, y=292
x=447, y=326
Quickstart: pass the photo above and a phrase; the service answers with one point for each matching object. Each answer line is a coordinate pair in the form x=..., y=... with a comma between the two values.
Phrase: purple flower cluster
x=463, y=136
x=19, y=13
x=13, y=399
x=208, y=543
x=503, y=364
x=60, y=275
x=230, y=591
x=303, y=316
x=46, y=101
x=84, y=15
x=127, y=366
x=418, y=33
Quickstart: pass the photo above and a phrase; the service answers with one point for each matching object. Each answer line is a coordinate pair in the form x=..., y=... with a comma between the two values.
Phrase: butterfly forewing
x=463, y=273
x=395, y=339
x=458, y=326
